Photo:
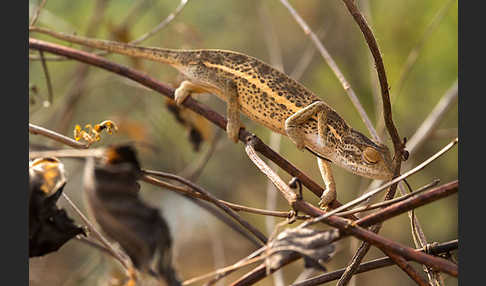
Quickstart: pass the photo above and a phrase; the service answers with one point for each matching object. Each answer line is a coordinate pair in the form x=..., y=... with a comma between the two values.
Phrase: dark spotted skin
x=265, y=94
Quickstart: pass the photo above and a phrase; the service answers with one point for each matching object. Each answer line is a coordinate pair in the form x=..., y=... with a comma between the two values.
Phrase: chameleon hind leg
x=329, y=193
x=293, y=128
x=229, y=94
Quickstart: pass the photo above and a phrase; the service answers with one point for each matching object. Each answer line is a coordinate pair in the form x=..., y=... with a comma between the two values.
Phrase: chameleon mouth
x=317, y=155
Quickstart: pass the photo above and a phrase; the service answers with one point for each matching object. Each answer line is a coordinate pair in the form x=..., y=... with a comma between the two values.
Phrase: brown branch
x=380, y=69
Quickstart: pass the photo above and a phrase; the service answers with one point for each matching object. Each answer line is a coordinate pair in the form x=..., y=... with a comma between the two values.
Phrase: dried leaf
x=315, y=245
x=49, y=226
x=112, y=192
x=199, y=128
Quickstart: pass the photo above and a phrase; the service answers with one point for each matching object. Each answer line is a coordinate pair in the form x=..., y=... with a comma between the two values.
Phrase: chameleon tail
x=167, y=56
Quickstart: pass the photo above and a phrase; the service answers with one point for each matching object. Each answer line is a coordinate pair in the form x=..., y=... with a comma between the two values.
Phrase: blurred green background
x=266, y=30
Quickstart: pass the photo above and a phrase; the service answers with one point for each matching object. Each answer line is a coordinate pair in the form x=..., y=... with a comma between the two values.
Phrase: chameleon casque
x=268, y=97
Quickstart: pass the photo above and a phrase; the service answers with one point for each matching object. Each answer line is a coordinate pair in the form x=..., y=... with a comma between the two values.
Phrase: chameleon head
x=362, y=156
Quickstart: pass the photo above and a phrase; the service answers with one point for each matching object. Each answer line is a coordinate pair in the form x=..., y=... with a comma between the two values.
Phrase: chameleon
x=268, y=97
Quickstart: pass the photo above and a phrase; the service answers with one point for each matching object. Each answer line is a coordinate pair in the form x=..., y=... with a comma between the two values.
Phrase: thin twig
x=380, y=68
x=387, y=116
x=415, y=52
x=409, y=204
x=50, y=92
x=210, y=198
x=389, y=202
x=116, y=254
x=37, y=11
x=427, y=127
x=420, y=240
x=68, y=153
x=250, y=259
x=196, y=195
x=34, y=129
x=162, y=24
x=192, y=172
x=375, y=264
x=332, y=64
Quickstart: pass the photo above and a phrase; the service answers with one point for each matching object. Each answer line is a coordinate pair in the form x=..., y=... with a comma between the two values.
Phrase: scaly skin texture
x=268, y=97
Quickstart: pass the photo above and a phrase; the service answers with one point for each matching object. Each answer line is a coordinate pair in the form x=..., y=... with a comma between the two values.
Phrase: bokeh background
x=266, y=30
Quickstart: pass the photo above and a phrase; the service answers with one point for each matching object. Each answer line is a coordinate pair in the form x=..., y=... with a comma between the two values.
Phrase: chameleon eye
x=371, y=156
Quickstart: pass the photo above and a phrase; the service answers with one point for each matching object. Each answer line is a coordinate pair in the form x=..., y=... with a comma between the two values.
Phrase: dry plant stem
x=380, y=68
x=375, y=264
x=420, y=240
x=34, y=129
x=383, y=187
x=68, y=153
x=415, y=52
x=387, y=115
x=409, y=204
x=193, y=171
x=284, y=189
x=430, y=123
x=222, y=274
x=348, y=228
x=48, y=78
x=37, y=11
x=211, y=199
x=97, y=234
x=332, y=64
x=389, y=202
x=162, y=24
x=398, y=260
x=196, y=195
x=252, y=258
x=190, y=103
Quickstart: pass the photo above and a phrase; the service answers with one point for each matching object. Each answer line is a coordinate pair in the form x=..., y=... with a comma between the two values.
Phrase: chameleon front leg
x=229, y=94
x=293, y=128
